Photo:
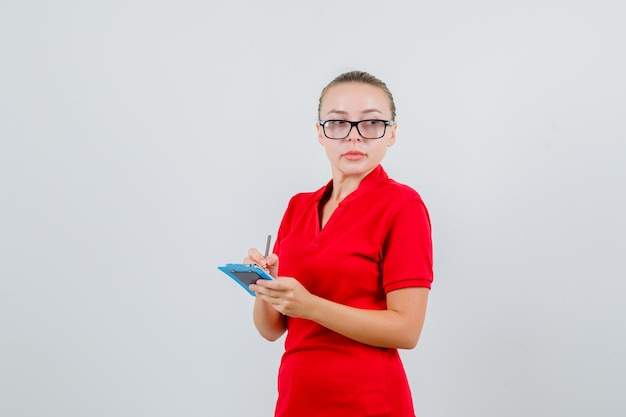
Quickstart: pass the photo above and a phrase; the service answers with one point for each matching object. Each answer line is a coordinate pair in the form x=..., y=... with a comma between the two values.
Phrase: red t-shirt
x=377, y=240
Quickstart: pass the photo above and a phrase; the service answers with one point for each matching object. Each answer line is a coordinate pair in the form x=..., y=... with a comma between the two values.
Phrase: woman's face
x=355, y=156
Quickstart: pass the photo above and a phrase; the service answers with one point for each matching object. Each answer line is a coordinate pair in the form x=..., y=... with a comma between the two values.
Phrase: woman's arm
x=270, y=323
x=399, y=326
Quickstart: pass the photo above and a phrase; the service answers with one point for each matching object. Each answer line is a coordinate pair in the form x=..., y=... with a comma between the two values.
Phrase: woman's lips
x=354, y=155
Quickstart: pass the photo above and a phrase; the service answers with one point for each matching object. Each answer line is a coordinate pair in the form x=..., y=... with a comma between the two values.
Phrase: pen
x=267, y=245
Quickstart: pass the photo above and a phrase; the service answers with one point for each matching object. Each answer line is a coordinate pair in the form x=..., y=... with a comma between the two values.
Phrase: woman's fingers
x=255, y=257
x=285, y=294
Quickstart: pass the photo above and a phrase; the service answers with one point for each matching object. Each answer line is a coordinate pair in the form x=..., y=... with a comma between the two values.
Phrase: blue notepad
x=245, y=275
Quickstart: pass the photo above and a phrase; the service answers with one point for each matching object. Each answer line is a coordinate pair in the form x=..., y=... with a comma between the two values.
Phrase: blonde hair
x=359, y=77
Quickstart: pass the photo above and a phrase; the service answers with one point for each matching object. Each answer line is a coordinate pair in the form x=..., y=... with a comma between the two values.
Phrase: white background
x=143, y=143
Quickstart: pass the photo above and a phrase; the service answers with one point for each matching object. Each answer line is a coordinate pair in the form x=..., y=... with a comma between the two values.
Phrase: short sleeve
x=407, y=249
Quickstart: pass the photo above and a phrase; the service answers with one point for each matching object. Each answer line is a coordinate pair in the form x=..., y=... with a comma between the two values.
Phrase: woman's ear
x=392, y=136
x=320, y=133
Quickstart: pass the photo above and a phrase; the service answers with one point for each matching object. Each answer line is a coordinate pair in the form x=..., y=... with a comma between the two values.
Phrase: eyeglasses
x=368, y=129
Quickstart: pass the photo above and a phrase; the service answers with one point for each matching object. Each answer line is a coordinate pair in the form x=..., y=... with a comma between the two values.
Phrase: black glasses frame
x=323, y=123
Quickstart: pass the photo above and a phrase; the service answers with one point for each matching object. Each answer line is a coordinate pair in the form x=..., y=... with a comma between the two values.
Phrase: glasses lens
x=336, y=129
x=372, y=129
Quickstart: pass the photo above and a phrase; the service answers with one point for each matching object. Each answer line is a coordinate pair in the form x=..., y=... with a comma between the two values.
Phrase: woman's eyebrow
x=340, y=112
x=343, y=113
x=371, y=111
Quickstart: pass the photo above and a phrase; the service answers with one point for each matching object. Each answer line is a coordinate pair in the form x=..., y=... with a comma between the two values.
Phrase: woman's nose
x=354, y=135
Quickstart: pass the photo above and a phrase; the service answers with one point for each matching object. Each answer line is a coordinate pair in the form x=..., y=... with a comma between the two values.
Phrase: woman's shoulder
x=392, y=189
x=400, y=191
x=404, y=204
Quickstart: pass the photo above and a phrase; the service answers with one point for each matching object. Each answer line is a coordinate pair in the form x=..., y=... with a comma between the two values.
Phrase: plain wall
x=144, y=143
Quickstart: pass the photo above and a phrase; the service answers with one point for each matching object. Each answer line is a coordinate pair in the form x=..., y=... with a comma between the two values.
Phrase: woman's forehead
x=355, y=97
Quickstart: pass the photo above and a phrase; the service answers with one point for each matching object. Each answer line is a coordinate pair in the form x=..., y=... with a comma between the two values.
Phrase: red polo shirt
x=377, y=240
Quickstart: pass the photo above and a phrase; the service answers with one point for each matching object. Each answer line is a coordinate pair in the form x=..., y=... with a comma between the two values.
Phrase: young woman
x=355, y=268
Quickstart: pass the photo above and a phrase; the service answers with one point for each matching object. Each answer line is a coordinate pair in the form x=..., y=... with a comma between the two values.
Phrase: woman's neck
x=341, y=189
x=343, y=185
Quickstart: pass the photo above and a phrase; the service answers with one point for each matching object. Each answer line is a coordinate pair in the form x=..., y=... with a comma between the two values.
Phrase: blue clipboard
x=245, y=275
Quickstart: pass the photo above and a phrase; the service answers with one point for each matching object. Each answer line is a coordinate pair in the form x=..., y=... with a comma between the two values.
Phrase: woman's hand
x=269, y=263
x=286, y=295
